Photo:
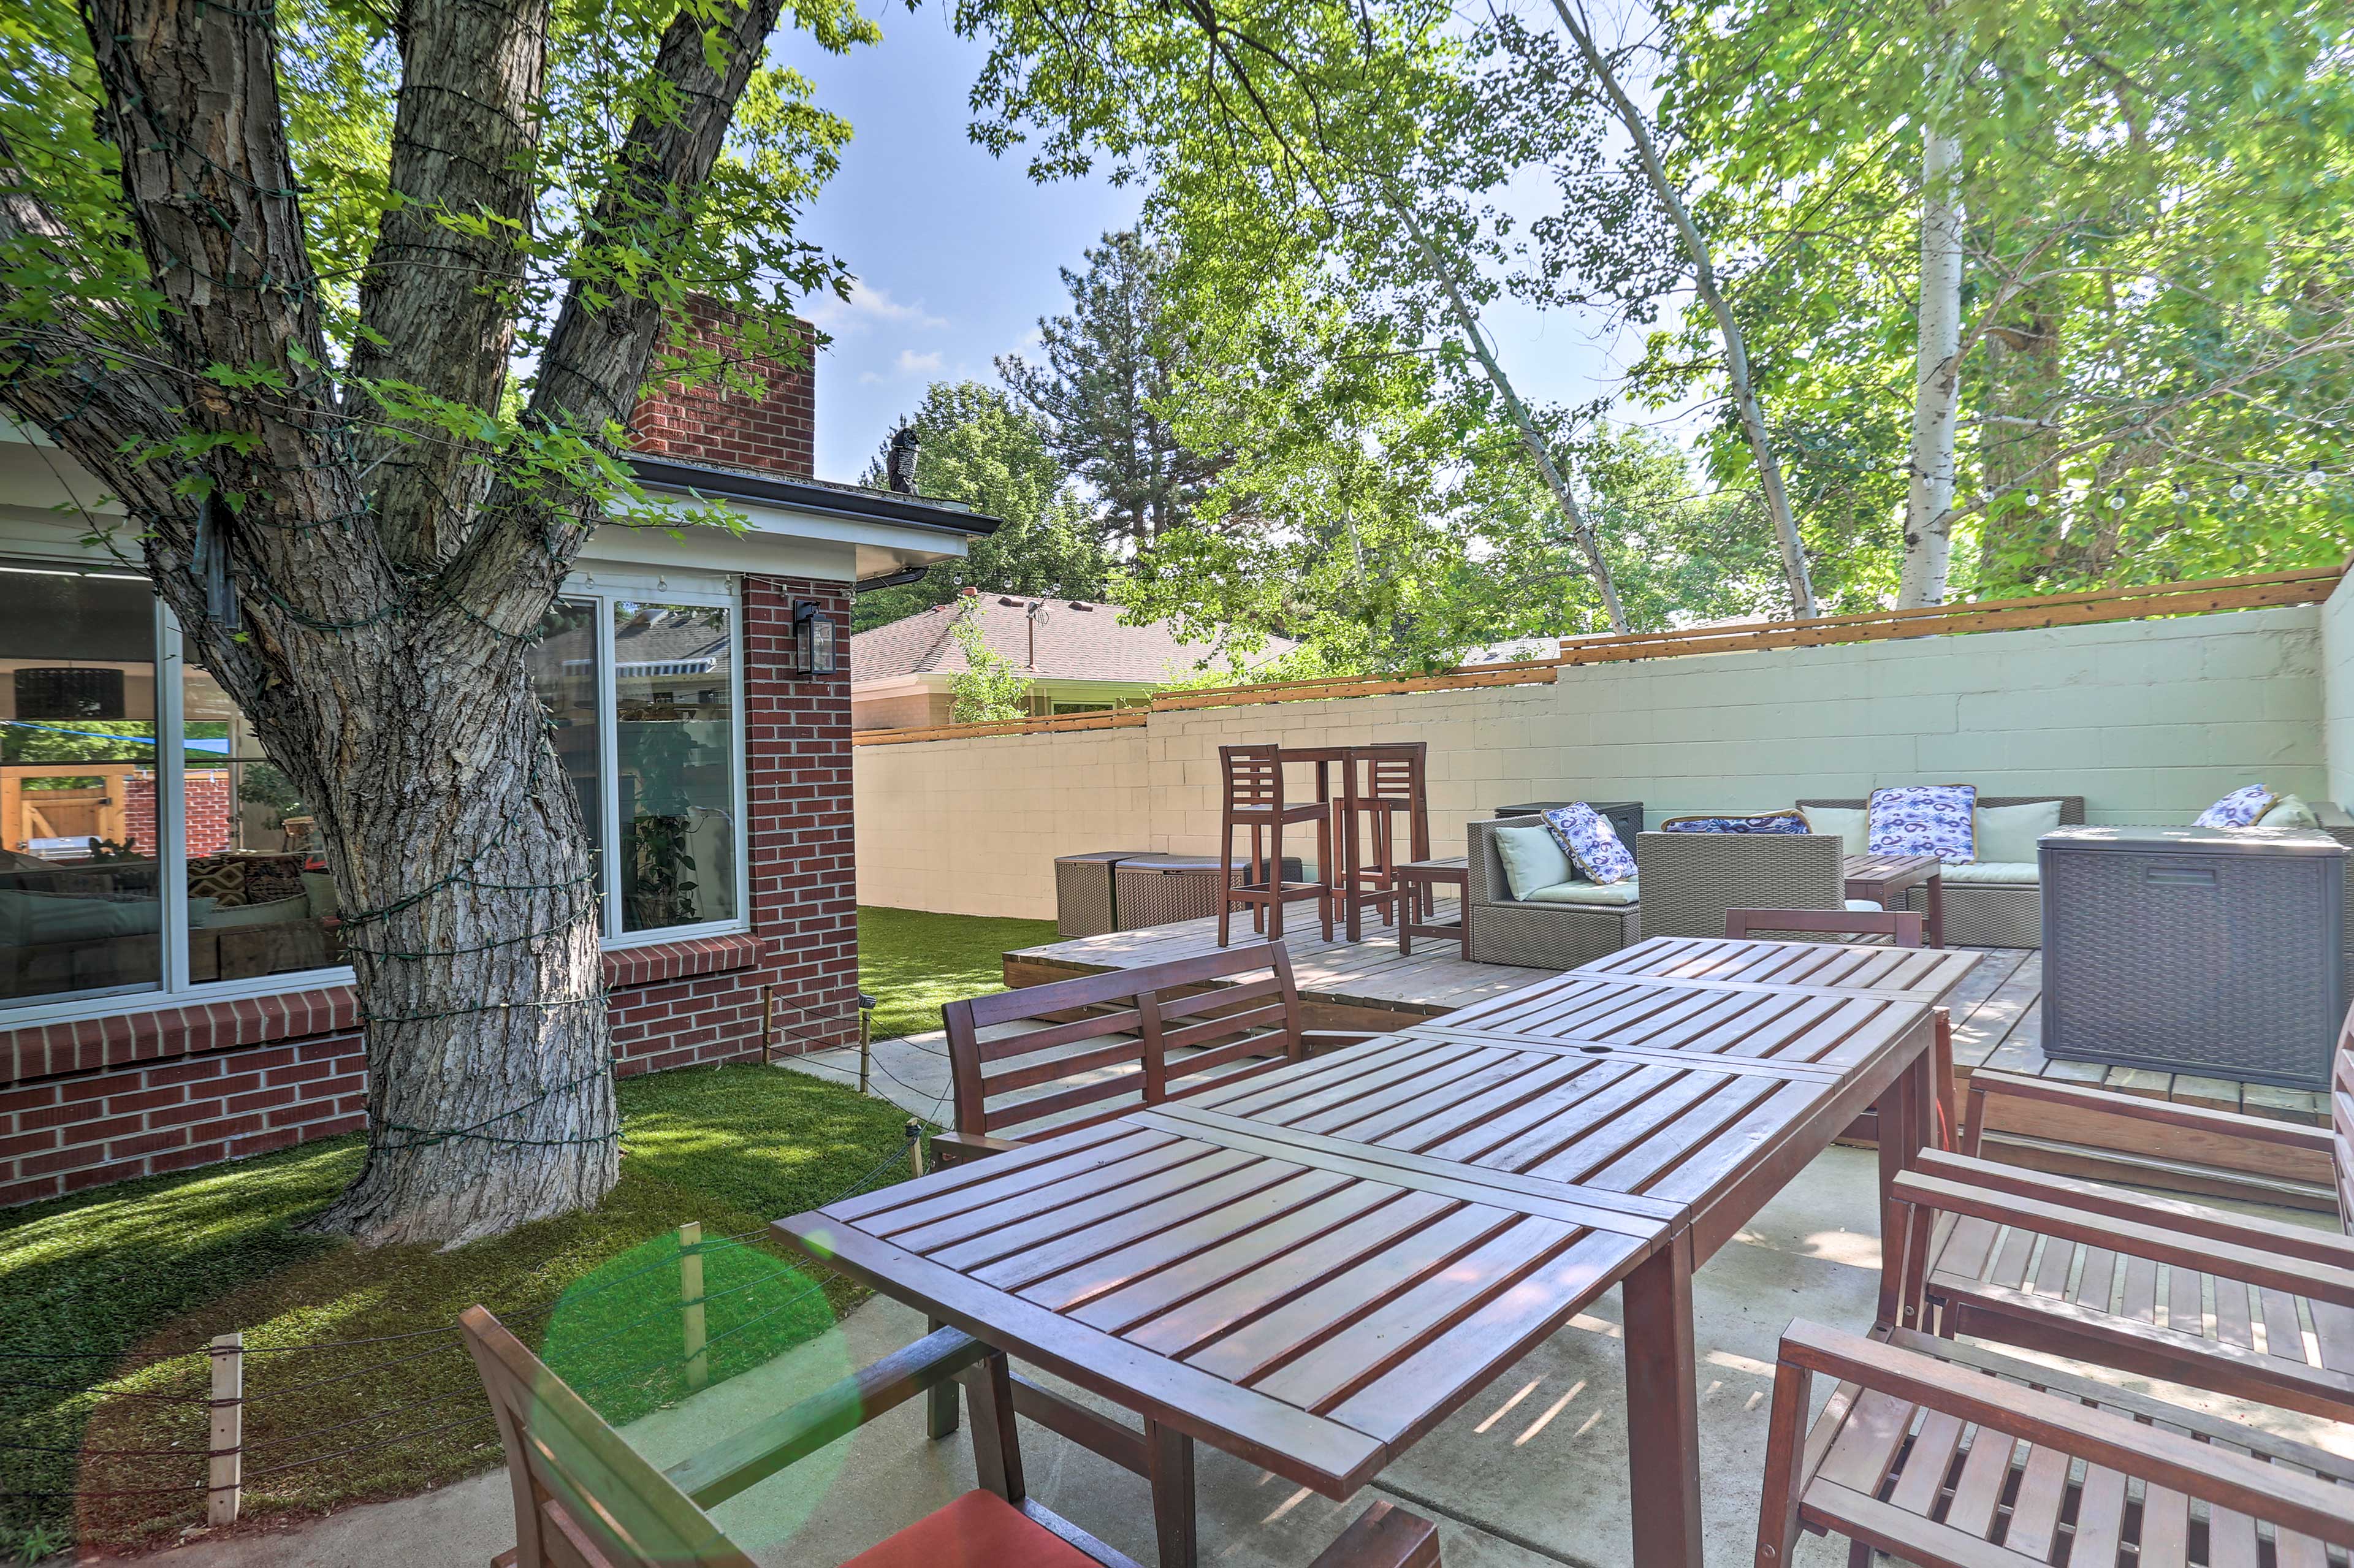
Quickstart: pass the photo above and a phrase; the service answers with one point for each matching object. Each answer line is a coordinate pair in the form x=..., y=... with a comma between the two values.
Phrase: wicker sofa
x=1690, y=880
x=1505, y=930
x=1987, y=914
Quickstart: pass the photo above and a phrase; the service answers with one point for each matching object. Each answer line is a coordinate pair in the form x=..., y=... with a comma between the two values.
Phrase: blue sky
x=957, y=252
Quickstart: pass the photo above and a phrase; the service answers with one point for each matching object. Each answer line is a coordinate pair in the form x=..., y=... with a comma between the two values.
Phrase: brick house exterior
x=153, y=1084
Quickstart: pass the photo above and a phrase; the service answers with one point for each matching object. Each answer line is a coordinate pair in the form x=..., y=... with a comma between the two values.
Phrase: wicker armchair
x=1536, y=935
x=1691, y=880
x=1989, y=914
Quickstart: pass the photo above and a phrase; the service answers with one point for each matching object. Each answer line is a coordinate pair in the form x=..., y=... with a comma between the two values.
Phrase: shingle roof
x=1076, y=639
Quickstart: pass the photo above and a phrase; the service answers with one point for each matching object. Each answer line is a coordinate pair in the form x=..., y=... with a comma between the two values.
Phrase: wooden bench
x=1953, y=1456
x=1101, y=1045
x=585, y=1499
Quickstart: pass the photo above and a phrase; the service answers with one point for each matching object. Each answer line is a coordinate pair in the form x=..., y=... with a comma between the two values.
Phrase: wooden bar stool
x=1385, y=782
x=1254, y=800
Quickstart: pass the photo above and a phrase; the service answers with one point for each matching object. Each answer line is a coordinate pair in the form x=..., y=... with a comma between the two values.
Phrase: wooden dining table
x=1311, y=1269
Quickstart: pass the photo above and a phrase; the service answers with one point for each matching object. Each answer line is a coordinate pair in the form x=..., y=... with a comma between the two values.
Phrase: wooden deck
x=1997, y=1024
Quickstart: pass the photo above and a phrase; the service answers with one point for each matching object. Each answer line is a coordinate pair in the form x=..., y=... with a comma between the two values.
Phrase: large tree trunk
x=490, y=1081
x=1938, y=376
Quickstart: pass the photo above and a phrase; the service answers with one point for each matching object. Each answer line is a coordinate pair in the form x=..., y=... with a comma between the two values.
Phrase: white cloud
x=914, y=364
x=865, y=307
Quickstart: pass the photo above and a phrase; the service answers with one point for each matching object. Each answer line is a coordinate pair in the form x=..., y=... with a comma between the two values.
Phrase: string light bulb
x=2035, y=498
x=2240, y=491
x=2117, y=501
x=2181, y=494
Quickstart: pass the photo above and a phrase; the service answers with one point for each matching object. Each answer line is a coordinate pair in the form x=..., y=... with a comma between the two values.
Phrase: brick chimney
x=775, y=432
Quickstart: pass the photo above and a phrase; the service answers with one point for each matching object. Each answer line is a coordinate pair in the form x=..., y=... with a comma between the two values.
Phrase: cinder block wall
x=2337, y=688
x=2150, y=721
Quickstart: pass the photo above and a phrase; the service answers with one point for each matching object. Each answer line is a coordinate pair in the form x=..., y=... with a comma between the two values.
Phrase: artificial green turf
x=127, y=1273
x=911, y=961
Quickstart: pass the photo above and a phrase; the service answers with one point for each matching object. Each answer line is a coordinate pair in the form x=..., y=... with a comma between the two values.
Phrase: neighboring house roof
x=1074, y=640
x=667, y=641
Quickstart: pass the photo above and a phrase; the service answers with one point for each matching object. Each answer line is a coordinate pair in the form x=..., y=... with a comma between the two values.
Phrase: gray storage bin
x=2214, y=951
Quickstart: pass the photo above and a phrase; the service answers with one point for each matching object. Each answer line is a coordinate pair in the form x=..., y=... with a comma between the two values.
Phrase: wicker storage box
x=2194, y=950
x=1160, y=889
x=1083, y=892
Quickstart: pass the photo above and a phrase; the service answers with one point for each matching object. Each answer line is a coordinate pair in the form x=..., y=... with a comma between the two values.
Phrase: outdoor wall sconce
x=812, y=639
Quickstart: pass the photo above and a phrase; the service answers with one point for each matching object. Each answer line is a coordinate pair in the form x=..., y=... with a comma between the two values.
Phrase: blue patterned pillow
x=1759, y=823
x=2240, y=808
x=1924, y=819
x=1588, y=837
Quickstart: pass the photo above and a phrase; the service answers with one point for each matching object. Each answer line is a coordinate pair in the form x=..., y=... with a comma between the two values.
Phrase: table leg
x=1663, y=1409
x=1169, y=1460
x=1937, y=921
x=996, y=1451
x=1408, y=918
x=1892, y=1120
x=941, y=1399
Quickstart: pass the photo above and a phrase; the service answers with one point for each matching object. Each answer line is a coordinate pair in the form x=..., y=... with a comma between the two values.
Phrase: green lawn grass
x=911, y=961
x=125, y=1279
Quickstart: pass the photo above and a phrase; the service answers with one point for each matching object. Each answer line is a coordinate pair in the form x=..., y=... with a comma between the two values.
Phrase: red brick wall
x=775, y=432
x=208, y=811
x=135, y=1092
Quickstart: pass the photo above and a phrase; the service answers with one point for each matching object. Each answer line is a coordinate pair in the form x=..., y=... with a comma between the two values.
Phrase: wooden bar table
x=1311, y=1268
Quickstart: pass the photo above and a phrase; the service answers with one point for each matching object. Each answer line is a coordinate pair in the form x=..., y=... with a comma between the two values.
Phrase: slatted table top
x=1310, y=1305
x=1631, y=1109
x=1923, y=974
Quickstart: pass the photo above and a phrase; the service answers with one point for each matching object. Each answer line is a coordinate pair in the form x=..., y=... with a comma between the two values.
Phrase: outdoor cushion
x=1999, y=871
x=1922, y=819
x=1532, y=859
x=2290, y=812
x=1590, y=840
x=1789, y=821
x=2008, y=833
x=30, y=919
x=1613, y=894
x=2242, y=808
x=979, y=1530
x=1850, y=822
x=320, y=889
x=1863, y=905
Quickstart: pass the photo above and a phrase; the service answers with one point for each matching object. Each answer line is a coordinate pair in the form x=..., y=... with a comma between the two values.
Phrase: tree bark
x=1738, y=380
x=1938, y=373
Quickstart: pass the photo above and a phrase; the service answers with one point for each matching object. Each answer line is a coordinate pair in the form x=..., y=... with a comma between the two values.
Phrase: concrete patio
x=1531, y=1471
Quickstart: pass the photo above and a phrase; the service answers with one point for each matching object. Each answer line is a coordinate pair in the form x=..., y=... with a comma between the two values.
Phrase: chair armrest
x=964, y=1148
x=1316, y=1042
x=1983, y=1085
x=763, y=1448
x=2155, y=1237
x=1383, y=1536
x=2215, y=1474
x=2305, y=1241
x=1904, y=926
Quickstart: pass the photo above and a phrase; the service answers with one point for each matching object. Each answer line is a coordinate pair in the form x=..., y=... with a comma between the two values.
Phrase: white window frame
x=173, y=987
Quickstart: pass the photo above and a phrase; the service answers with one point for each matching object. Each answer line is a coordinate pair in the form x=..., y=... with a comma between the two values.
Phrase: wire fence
x=222, y=1365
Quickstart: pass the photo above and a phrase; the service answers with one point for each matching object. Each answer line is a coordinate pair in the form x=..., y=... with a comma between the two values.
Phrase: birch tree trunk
x=1738, y=381
x=1937, y=370
x=1466, y=323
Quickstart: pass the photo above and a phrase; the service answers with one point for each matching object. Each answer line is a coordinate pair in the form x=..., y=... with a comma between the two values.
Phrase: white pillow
x=2289, y=811
x=2008, y=833
x=1599, y=893
x=1532, y=859
x=1850, y=824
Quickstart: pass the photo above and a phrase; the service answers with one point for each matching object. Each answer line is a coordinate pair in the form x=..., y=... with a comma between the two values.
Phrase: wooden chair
x=1103, y=1045
x=1253, y=777
x=585, y=1499
x=1901, y=928
x=2074, y=1267
x=1388, y=782
x=1951, y=1456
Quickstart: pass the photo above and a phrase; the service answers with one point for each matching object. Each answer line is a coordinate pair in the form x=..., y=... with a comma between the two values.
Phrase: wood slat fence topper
x=2206, y=596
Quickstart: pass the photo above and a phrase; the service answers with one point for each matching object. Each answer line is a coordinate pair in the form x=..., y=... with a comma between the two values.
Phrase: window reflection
x=81, y=890
x=563, y=665
x=259, y=900
x=674, y=749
